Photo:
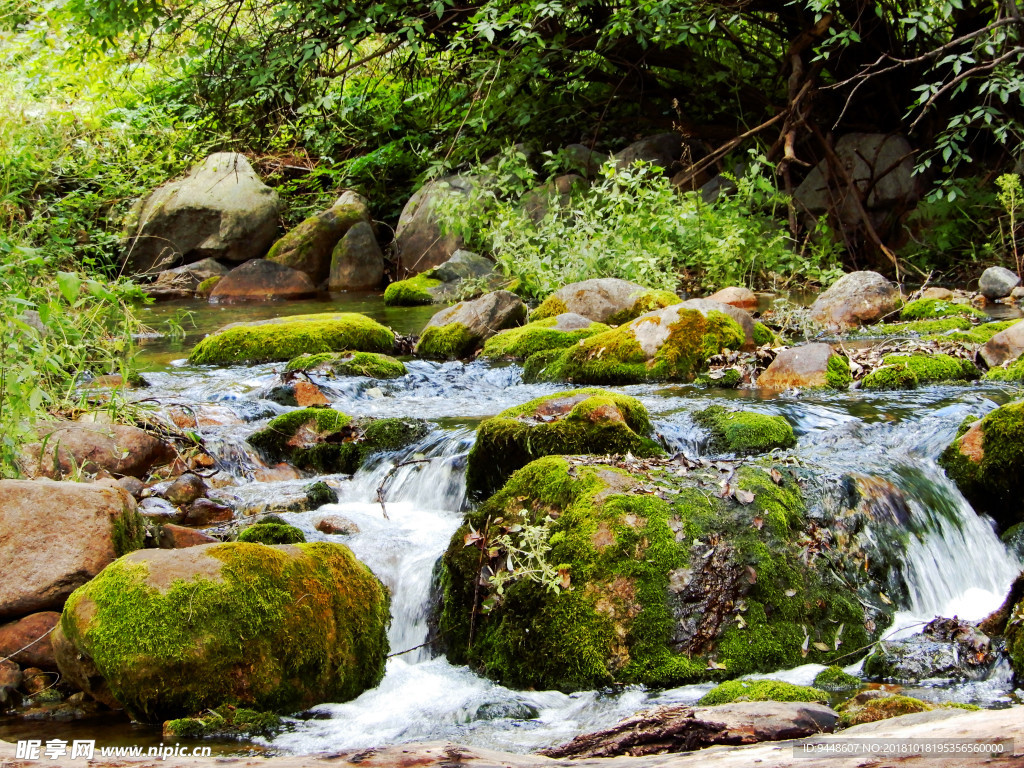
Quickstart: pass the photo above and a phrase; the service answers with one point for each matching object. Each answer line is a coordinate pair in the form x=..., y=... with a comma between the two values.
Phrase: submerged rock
x=649, y=572
x=557, y=332
x=604, y=300
x=855, y=299
x=946, y=648
x=984, y=461
x=285, y=338
x=671, y=344
x=459, y=330
x=170, y=633
x=576, y=422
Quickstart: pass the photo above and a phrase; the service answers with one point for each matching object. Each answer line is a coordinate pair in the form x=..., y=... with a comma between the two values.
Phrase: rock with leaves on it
x=459, y=330
x=946, y=648
x=586, y=571
x=671, y=344
x=285, y=338
x=370, y=364
x=54, y=537
x=220, y=210
x=604, y=300
x=984, y=461
x=579, y=421
x=172, y=633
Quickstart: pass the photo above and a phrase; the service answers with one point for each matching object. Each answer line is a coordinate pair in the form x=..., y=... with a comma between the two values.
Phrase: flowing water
x=955, y=563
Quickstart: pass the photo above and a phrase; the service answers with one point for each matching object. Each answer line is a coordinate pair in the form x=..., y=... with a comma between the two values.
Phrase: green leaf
x=70, y=286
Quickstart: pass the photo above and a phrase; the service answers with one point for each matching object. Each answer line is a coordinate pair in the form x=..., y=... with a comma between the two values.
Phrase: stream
x=955, y=563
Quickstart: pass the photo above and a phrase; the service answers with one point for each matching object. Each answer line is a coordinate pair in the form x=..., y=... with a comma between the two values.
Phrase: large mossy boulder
x=324, y=440
x=671, y=344
x=309, y=245
x=604, y=300
x=985, y=462
x=582, y=421
x=458, y=331
x=582, y=572
x=220, y=210
x=744, y=432
x=285, y=338
x=169, y=633
x=910, y=371
x=557, y=332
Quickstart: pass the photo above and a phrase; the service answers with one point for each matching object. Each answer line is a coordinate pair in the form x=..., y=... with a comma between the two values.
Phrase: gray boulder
x=855, y=299
x=357, y=262
x=945, y=648
x=458, y=330
x=308, y=246
x=997, y=283
x=604, y=300
x=220, y=210
x=420, y=240
x=1005, y=346
x=662, y=149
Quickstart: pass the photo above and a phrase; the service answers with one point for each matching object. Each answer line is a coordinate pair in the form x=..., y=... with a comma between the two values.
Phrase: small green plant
x=521, y=552
x=1011, y=197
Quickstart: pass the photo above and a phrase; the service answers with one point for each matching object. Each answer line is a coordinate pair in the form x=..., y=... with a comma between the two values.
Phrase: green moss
x=287, y=338
x=760, y=690
x=544, y=366
x=837, y=373
x=1014, y=637
x=645, y=302
x=670, y=583
x=265, y=532
x=918, y=327
x=234, y=723
x=908, y=371
x=206, y=287
x=731, y=378
x=873, y=710
x=279, y=629
x=591, y=421
x=933, y=309
x=273, y=438
x=446, y=342
x=371, y=364
x=990, y=478
x=393, y=434
x=978, y=334
x=1012, y=372
x=834, y=679
x=1013, y=538
x=743, y=432
x=410, y=293
x=520, y=343
x=764, y=335
x=129, y=532
x=616, y=357
x=550, y=307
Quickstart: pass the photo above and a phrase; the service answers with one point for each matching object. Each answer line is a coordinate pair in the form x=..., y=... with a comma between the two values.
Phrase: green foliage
x=1011, y=197
x=760, y=690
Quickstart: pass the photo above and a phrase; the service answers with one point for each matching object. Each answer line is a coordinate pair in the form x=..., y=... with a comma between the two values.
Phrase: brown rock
x=357, y=263
x=1004, y=346
x=855, y=299
x=797, y=367
x=199, y=416
x=684, y=728
x=735, y=296
x=259, y=279
x=943, y=294
x=79, y=670
x=10, y=680
x=173, y=536
x=54, y=537
x=27, y=641
x=337, y=525
x=308, y=394
x=91, y=448
x=185, y=490
x=600, y=298
x=35, y=680
x=204, y=512
x=278, y=473
x=133, y=485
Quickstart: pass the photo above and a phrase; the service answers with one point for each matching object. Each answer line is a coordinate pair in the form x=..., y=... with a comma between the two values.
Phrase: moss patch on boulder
x=447, y=342
x=643, y=301
x=413, y=292
x=909, y=371
x=834, y=680
x=287, y=338
x=744, y=432
x=178, y=632
x=837, y=373
x=272, y=531
x=759, y=690
x=855, y=712
x=583, y=421
x=764, y=335
x=647, y=576
x=919, y=327
x=985, y=460
x=371, y=364
x=978, y=334
x=934, y=309
x=520, y=343
x=234, y=723
x=672, y=345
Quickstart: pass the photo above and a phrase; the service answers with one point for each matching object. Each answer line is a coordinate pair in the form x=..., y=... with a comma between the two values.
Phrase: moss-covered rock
x=1014, y=637
x=672, y=344
x=288, y=337
x=176, y=632
x=649, y=576
x=978, y=334
x=764, y=335
x=834, y=680
x=604, y=300
x=414, y=292
x=371, y=364
x=808, y=366
x=857, y=711
x=744, y=432
x=1013, y=538
x=558, y=332
x=985, y=460
x=458, y=331
x=205, y=288
x=325, y=441
x=759, y=690
x=272, y=530
x=583, y=421
x=1011, y=372
x=308, y=246
x=234, y=723
x=918, y=327
x=909, y=371
x=934, y=309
